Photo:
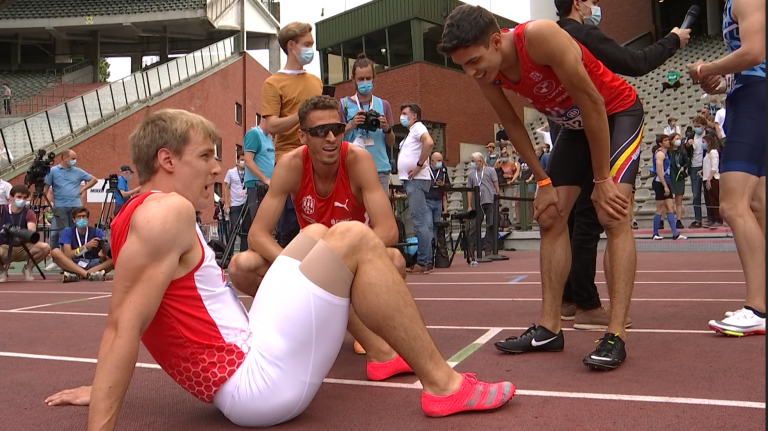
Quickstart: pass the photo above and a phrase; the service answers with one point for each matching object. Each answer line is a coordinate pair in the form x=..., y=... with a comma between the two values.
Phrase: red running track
x=678, y=374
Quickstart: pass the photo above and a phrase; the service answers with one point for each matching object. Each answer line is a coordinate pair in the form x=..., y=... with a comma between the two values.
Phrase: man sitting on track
x=602, y=121
x=262, y=367
x=329, y=181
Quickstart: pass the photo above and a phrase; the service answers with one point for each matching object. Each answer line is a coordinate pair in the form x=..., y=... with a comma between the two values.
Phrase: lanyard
x=242, y=177
x=77, y=234
x=480, y=179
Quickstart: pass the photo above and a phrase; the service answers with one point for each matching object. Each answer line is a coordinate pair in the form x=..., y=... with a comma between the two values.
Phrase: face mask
x=404, y=121
x=128, y=178
x=698, y=130
x=365, y=87
x=438, y=165
x=473, y=165
x=241, y=164
x=596, y=16
x=81, y=223
x=72, y=163
x=677, y=142
x=504, y=159
x=306, y=56
x=20, y=203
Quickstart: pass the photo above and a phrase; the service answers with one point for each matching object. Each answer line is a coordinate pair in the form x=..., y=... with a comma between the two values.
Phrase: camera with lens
x=104, y=247
x=17, y=236
x=40, y=168
x=464, y=215
x=372, y=122
x=110, y=183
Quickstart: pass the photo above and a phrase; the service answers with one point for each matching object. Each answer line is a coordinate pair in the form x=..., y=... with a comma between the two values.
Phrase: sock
x=757, y=313
x=672, y=223
x=656, y=223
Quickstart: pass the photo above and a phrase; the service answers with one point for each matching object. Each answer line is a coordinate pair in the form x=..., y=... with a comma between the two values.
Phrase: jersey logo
x=536, y=76
x=544, y=88
x=308, y=205
x=336, y=204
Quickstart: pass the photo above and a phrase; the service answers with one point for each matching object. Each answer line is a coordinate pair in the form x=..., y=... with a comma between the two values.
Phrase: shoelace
x=741, y=314
x=528, y=332
x=606, y=347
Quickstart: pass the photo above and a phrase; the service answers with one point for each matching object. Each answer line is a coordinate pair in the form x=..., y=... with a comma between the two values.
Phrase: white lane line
x=55, y=292
x=60, y=313
x=61, y=302
x=538, y=283
x=606, y=299
x=417, y=385
x=680, y=271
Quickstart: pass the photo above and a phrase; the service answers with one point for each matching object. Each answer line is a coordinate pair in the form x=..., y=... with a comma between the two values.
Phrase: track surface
x=678, y=375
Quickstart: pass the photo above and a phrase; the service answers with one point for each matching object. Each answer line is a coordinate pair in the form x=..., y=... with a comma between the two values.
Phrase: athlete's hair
x=416, y=109
x=467, y=26
x=19, y=188
x=170, y=129
x=292, y=32
x=316, y=103
x=361, y=63
x=79, y=210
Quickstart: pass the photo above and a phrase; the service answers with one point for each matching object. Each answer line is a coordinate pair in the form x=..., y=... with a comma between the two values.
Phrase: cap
x=126, y=168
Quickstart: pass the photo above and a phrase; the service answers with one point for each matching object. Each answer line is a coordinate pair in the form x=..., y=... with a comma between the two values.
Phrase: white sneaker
x=52, y=267
x=96, y=276
x=657, y=237
x=740, y=323
x=3, y=277
x=680, y=238
x=27, y=274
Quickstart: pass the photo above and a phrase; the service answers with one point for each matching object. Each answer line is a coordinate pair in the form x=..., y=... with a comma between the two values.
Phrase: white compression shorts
x=297, y=330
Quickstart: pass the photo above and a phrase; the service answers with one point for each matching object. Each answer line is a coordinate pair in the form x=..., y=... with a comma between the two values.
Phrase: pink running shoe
x=473, y=395
x=383, y=370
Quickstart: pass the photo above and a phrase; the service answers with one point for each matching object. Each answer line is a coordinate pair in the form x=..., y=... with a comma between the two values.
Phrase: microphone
x=690, y=17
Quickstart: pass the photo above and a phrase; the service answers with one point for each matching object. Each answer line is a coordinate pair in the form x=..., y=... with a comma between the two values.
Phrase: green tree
x=103, y=69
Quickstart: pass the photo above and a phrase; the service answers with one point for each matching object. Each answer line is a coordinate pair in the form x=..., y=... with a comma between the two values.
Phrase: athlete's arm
x=159, y=236
x=751, y=17
x=362, y=173
x=285, y=180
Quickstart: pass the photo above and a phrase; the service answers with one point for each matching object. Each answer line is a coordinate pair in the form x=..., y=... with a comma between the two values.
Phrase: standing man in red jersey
x=602, y=121
x=261, y=367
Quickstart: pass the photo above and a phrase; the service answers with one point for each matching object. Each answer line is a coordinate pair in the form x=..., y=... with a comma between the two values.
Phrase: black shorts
x=744, y=149
x=658, y=188
x=570, y=163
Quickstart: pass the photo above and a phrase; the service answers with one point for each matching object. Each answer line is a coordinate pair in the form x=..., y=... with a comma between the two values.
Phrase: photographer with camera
x=17, y=215
x=369, y=119
x=64, y=192
x=123, y=193
x=84, y=252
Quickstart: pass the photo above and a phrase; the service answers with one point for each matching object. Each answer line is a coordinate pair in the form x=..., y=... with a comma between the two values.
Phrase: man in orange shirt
x=281, y=96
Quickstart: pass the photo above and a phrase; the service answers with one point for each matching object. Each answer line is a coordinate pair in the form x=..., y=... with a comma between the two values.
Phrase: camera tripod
x=462, y=241
x=7, y=265
x=39, y=203
x=107, y=207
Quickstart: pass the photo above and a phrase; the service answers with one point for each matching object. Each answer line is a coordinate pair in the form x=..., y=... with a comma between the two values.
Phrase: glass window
x=238, y=113
x=400, y=48
x=376, y=49
x=432, y=34
x=333, y=65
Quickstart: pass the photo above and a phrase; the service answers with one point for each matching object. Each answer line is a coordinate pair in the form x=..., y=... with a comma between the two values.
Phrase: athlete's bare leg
x=555, y=257
x=757, y=205
x=621, y=263
x=384, y=303
x=738, y=191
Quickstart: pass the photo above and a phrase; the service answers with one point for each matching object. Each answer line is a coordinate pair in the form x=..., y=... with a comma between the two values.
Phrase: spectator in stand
x=661, y=179
x=485, y=178
x=680, y=163
x=7, y=98
x=437, y=198
x=352, y=111
x=259, y=164
x=544, y=133
x=720, y=121
x=123, y=193
x=235, y=199
x=501, y=134
x=493, y=156
x=510, y=170
x=673, y=80
x=281, y=95
x=672, y=127
x=711, y=176
x=413, y=167
x=65, y=189
x=5, y=191
x=698, y=147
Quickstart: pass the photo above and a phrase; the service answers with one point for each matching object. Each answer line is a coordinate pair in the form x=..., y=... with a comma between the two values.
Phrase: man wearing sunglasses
x=328, y=181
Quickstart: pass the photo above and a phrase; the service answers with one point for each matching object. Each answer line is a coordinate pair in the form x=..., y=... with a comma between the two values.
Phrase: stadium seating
x=27, y=84
x=31, y=9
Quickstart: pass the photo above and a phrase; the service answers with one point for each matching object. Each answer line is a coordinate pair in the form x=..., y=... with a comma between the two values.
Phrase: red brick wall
x=214, y=98
x=624, y=20
x=445, y=96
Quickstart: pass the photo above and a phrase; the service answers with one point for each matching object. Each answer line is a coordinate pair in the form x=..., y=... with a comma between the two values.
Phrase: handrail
x=75, y=67
x=23, y=138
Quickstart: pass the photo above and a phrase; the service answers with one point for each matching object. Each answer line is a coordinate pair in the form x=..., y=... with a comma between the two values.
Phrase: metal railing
x=215, y=8
x=65, y=120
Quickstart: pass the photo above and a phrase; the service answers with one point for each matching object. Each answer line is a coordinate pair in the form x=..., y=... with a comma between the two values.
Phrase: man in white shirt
x=699, y=148
x=234, y=197
x=5, y=191
x=413, y=169
x=720, y=120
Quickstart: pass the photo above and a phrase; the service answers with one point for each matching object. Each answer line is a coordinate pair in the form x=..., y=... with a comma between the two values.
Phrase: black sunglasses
x=322, y=130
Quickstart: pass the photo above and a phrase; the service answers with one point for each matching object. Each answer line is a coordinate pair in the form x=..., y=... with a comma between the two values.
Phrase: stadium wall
x=213, y=97
x=624, y=20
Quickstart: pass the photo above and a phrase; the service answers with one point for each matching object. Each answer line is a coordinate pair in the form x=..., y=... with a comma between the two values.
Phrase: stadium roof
x=31, y=9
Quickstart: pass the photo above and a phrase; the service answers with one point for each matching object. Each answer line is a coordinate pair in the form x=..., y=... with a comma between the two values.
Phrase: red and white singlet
x=541, y=87
x=200, y=334
x=340, y=205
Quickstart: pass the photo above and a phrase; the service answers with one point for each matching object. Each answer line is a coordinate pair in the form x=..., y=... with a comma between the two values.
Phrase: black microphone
x=690, y=17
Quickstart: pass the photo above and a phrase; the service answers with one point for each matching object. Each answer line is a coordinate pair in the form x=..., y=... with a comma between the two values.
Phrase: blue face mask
x=365, y=88
x=81, y=223
x=504, y=159
x=597, y=14
x=306, y=56
x=438, y=165
x=698, y=130
x=473, y=165
x=72, y=163
x=404, y=121
x=20, y=203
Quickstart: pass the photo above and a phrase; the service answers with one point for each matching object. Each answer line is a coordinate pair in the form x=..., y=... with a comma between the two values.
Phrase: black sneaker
x=610, y=353
x=679, y=225
x=534, y=339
